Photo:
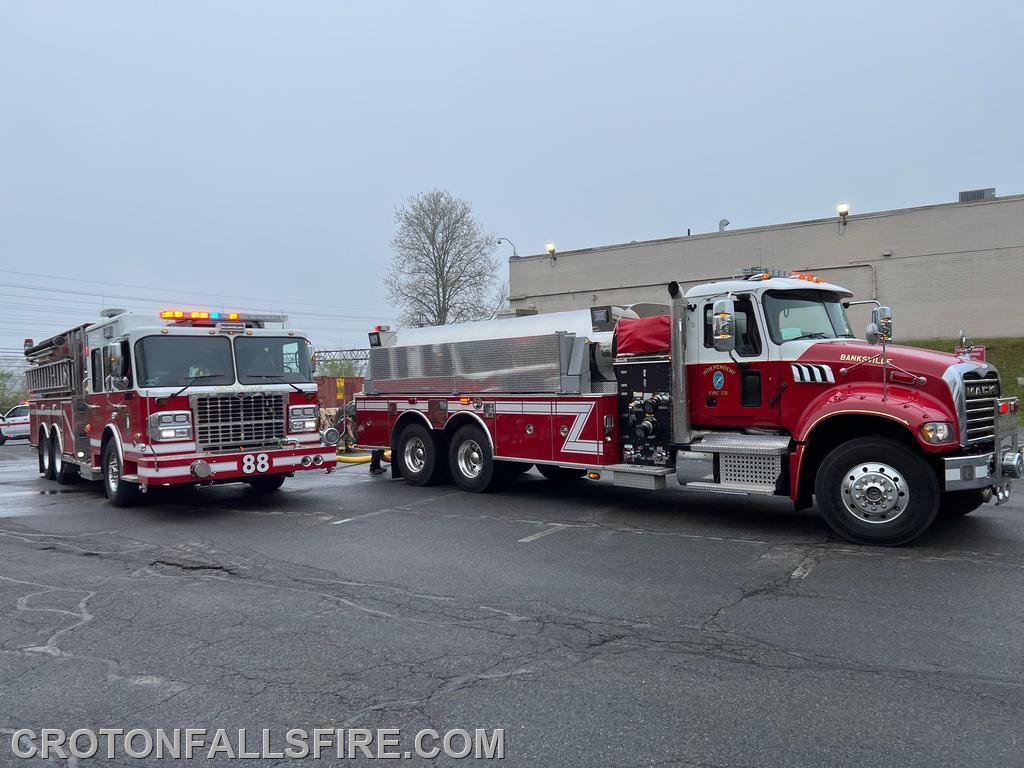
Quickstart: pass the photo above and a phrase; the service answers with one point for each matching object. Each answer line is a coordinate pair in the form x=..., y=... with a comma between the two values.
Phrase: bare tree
x=443, y=269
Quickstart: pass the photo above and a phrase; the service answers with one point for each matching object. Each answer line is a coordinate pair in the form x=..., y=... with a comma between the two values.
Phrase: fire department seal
x=718, y=380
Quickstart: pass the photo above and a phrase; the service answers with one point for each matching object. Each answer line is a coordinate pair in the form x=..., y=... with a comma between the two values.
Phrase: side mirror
x=723, y=325
x=871, y=334
x=116, y=361
x=881, y=318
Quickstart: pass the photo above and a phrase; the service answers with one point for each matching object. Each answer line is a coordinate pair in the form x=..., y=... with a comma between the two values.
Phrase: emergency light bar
x=181, y=314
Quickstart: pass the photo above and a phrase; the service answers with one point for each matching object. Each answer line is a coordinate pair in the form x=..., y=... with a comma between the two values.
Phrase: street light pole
x=515, y=254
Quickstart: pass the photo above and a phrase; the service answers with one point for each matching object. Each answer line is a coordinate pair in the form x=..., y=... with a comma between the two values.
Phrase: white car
x=14, y=424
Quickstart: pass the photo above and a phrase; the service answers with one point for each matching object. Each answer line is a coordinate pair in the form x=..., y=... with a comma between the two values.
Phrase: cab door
x=733, y=389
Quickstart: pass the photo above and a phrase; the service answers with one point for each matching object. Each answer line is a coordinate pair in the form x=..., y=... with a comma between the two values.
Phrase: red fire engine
x=203, y=397
x=751, y=386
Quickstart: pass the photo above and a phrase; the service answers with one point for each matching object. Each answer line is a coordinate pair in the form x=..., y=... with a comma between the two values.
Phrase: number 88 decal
x=258, y=463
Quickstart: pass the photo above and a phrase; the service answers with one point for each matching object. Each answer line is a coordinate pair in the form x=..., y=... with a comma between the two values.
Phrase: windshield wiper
x=282, y=379
x=195, y=379
x=815, y=335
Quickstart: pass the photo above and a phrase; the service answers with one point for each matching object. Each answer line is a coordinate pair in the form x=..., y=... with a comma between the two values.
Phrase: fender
x=112, y=429
x=480, y=421
x=402, y=416
x=908, y=407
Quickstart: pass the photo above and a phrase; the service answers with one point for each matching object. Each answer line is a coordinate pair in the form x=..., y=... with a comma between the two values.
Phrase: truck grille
x=234, y=422
x=980, y=400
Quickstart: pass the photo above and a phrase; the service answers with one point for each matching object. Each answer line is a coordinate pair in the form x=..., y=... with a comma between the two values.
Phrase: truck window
x=748, y=340
x=794, y=315
x=263, y=359
x=96, y=368
x=17, y=412
x=174, y=361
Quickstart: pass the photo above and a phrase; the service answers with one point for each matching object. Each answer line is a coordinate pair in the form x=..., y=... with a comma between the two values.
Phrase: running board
x=735, y=489
x=639, y=476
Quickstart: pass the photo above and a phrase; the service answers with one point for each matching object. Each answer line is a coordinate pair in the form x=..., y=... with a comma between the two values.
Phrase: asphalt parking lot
x=598, y=626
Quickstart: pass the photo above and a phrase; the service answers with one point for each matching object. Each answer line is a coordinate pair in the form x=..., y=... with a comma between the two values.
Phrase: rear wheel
x=960, y=503
x=876, y=491
x=46, y=457
x=267, y=483
x=561, y=474
x=419, y=455
x=63, y=472
x=471, y=461
x=120, y=492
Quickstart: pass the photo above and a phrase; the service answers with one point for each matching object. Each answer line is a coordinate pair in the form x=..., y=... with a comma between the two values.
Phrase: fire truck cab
x=752, y=386
x=202, y=397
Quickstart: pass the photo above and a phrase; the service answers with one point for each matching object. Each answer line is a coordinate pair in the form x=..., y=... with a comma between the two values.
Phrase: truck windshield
x=801, y=314
x=263, y=359
x=173, y=361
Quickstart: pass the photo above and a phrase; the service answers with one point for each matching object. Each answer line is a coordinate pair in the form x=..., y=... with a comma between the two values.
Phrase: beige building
x=941, y=267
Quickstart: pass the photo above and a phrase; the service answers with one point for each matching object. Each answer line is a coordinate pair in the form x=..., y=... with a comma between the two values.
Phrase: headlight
x=935, y=432
x=303, y=418
x=170, y=425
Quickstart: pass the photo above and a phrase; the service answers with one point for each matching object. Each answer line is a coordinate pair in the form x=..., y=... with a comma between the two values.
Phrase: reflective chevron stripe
x=805, y=373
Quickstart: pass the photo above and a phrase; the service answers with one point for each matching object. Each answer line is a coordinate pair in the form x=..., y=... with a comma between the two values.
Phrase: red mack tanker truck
x=196, y=397
x=753, y=385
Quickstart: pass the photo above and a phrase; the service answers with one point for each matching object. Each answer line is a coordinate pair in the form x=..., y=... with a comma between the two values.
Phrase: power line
x=200, y=293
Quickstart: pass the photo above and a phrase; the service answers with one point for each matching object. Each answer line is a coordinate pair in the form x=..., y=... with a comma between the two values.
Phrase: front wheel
x=120, y=492
x=266, y=483
x=876, y=491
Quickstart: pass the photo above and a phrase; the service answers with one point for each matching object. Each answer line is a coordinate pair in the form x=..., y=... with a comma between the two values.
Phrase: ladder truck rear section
x=750, y=386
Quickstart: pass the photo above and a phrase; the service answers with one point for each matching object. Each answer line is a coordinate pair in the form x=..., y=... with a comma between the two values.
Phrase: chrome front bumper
x=993, y=470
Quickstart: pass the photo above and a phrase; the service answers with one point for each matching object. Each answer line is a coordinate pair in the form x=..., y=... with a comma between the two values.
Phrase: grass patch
x=1005, y=354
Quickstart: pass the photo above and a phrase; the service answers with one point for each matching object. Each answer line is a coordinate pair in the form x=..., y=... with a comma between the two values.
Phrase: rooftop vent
x=970, y=195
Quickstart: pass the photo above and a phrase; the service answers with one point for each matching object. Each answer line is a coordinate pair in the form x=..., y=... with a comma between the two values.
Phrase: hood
x=847, y=353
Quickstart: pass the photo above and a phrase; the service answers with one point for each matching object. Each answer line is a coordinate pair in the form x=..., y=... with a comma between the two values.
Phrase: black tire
x=64, y=472
x=561, y=474
x=120, y=493
x=41, y=451
x=46, y=452
x=471, y=461
x=876, y=491
x=420, y=455
x=3, y=438
x=960, y=503
x=266, y=483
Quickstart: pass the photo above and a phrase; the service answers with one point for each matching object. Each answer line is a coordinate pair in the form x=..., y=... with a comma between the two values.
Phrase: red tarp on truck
x=643, y=335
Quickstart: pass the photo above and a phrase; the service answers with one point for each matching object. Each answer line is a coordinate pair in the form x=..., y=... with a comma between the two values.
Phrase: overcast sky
x=257, y=150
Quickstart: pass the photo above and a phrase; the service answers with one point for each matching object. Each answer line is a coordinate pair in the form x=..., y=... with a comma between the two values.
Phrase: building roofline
x=767, y=228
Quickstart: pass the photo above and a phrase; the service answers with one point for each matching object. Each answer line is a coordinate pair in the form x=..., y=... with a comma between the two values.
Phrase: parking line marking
x=554, y=528
x=804, y=568
x=359, y=517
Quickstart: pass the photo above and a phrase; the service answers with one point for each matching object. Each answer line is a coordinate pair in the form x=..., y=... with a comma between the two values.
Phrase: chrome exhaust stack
x=681, y=432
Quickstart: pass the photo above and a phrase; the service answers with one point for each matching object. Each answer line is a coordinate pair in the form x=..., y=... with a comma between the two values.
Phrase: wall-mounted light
x=843, y=209
x=550, y=248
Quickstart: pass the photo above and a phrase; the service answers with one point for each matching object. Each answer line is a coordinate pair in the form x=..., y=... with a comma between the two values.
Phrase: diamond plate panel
x=750, y=469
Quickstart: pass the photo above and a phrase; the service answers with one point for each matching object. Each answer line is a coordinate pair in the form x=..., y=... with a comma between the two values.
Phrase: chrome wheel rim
x=470, y=459
x=45, y=448
x=58, y=456
x=113, y=473
x=415, y=454
x=875, y=493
